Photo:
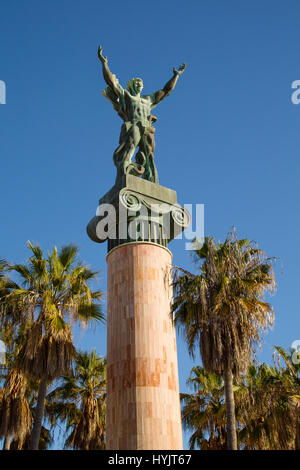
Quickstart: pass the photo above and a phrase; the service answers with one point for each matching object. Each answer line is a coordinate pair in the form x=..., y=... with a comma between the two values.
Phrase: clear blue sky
x=227, y=137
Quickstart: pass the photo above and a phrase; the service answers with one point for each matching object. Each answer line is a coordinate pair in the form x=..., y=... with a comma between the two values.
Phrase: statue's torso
x=138, y=108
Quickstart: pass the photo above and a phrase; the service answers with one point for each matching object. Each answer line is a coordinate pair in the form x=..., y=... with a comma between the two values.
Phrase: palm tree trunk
x=230, y=411
x=39, y=413
x=7, y=441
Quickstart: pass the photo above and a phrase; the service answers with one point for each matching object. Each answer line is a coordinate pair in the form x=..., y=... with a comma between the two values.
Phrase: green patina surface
x=137, y=205
x=137, y=131
x=153, y=208
x=141, y=186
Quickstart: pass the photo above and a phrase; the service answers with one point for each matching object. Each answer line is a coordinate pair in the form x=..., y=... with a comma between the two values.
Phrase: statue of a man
x=137, y=130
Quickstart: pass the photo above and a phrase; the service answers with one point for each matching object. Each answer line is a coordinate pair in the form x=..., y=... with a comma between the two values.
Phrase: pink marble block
x=143, y=407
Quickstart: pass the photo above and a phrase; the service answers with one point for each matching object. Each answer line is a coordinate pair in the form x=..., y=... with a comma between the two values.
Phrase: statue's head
x=135, y=86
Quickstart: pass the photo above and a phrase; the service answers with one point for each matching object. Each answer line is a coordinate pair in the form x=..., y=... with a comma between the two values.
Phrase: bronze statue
x=137, y=130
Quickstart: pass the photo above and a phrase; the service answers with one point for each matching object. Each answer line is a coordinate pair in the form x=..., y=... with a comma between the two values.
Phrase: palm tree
x=46, y=438
x=222, y=308
x=54, y=289
x=266, y=421
x=9, y=318
x=266, y=410
x=80, y=401
x=204, y=411
x=291, y=385
x=5, y=282
x=15, y=414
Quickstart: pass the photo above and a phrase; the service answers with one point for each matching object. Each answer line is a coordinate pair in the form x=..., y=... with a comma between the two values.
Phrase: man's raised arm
x=110, y=79
x=169, y=86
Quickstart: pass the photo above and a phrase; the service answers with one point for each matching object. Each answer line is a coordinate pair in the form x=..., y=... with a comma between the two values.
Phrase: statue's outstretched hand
x=180, y=70
x=101, y=56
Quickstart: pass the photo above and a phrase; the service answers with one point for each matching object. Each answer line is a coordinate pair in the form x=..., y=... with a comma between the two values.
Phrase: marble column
x=143, y=409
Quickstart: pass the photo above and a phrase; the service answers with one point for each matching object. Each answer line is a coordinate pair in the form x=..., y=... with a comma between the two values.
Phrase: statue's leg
x=133, y=138
x=117, y=157
x=143, y=159
x=129, y=140
x=150, y=147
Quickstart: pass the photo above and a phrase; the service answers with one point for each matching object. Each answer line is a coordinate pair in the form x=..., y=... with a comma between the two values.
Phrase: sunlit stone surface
x=143, y=409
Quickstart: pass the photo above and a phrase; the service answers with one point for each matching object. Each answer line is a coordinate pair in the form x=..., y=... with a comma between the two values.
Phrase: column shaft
x=143, y=408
